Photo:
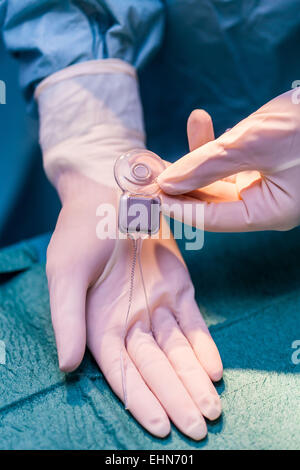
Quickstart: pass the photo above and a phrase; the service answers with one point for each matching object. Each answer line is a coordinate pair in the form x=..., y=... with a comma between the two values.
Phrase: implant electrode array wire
x=123, y=348
x=136, y=173
x=136, y=260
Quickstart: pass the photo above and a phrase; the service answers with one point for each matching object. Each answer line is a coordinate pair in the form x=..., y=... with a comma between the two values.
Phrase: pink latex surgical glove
x=262, y=154
x=170, y=364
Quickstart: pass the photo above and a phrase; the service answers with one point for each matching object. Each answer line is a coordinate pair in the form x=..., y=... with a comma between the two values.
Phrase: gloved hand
x=169, y=369
x=262, y=152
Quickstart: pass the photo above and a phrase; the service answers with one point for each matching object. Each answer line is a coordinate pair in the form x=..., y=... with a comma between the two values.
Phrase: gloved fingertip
x=71, y=344
x=160, y=427
x=200, y=129
x=69, y=360
x=216, y=375
x=68, y=365
x=215, y=412
x=210, y=359
x=199, y=116
x=211, y=407
x=197, y=431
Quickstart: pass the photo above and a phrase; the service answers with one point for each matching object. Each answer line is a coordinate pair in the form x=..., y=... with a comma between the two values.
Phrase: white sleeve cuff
x=90, y=113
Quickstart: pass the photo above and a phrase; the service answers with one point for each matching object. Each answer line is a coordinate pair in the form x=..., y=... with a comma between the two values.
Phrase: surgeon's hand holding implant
x=171, y=363
x=248, y=178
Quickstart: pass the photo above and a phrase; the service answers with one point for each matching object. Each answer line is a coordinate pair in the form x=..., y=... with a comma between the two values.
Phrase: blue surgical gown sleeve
x=49, y=35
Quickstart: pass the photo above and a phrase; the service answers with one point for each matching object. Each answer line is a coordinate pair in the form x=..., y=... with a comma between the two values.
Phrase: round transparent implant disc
x=136, y=172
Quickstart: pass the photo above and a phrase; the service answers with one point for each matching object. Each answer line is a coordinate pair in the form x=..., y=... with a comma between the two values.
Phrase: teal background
x=28, y=203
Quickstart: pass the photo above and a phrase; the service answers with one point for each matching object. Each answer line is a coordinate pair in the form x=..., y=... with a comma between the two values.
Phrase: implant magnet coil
x=139, y=208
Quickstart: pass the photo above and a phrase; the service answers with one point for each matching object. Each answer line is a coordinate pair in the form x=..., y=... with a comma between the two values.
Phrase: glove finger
x=161, y=378
x=106, y=348
x=200, y=168
x=220, y=191
x=67, y=291
x=237, y=150
x=195, y=330
x=182, y=357
x=228, y=189
x=106, y=343
x=256, y=210
x=200, y=129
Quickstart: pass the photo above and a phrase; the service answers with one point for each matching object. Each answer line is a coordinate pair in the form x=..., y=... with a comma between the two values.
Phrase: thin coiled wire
x=136, y=256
